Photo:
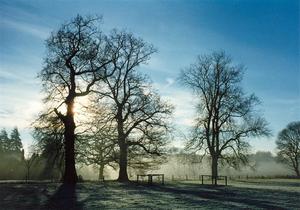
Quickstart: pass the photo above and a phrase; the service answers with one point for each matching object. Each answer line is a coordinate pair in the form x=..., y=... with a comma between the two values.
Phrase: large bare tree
x=140, y=115
x=77, y=56
x=226, y=116
x=288, y=144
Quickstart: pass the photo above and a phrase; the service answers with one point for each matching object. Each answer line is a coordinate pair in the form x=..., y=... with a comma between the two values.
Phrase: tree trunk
x=123, y=176
x=214, y=169
x=70, y=176
x=297, y=172
x=27, y=174
x=296, y=167
x=101, y=170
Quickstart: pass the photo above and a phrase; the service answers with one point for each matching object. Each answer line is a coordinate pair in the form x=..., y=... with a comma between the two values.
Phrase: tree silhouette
x=15, y=140
x=29, y=162
x=139, y=113
x=98, y=139
x=140, y=161
x=4, y=141
x=288, y=144
x=12, y=144
x=11, y=155
x=76, y=60
x=226, y=115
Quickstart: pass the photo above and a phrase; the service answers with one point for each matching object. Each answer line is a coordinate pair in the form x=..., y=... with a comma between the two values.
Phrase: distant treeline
x=11, y=155
x=15, y=166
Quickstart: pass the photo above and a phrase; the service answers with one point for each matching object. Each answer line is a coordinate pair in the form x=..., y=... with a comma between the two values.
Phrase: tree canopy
x=226, y=117
x=81, y=61
x=288, y=145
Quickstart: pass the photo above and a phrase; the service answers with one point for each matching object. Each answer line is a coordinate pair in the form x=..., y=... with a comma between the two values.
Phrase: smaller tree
x=98, y=140
x=141, y=162
x=29, y=162
x=288, y=144
x=99, y=151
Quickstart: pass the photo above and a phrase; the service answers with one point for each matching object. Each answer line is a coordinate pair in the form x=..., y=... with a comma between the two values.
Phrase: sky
x=262, y=35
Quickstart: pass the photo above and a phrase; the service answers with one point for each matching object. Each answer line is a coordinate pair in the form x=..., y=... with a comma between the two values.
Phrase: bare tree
x=288, y=144
x=140, y=162
x=139, y=113
x=77, y=59
x=98, y=141
x=226, y=115
x=29, y=162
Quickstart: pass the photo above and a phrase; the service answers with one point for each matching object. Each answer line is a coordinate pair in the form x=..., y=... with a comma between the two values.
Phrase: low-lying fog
x=262, y=164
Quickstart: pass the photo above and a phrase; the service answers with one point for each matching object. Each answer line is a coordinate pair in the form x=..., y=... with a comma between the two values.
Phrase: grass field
x=243, y=194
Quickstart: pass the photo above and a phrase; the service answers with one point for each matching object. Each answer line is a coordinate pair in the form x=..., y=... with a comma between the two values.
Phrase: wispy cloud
x=4, y=113
x=16, y=76
x=20, y=98
x=34, y=30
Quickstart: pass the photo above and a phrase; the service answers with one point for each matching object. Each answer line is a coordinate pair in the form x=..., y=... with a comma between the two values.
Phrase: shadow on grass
x=115, y=195
x=141, y=196
x=240, y=196
x=64, y=198
x=19, y=196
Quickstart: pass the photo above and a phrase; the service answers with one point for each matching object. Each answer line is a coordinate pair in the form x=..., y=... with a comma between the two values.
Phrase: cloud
x=34, y=30
x=20, y=98
x=4, y=113
x=182, y=99
x=18, y=111
x=170, y=81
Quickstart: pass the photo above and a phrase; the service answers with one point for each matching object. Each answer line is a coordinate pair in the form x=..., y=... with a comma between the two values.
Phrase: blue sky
x=262, y=35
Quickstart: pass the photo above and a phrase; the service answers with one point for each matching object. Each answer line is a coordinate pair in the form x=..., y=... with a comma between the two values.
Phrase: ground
x=242, y=194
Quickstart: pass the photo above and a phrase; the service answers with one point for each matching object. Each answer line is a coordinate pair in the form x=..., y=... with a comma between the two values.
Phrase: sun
x=80, y=108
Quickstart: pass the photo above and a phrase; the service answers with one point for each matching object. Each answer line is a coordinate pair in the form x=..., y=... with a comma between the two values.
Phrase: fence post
x=186, y=177
x=149, y=179
x=226, y=180
x=202, y=179
x=163, y=179
x=137, y=178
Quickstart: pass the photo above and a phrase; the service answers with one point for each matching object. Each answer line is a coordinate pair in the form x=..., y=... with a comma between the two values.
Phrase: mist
x=262, y=164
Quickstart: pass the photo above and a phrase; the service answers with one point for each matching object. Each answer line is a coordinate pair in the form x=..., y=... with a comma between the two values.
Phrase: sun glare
x=80, y=107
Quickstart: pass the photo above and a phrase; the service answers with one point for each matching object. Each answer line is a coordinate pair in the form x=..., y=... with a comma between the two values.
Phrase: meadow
x=239, y=194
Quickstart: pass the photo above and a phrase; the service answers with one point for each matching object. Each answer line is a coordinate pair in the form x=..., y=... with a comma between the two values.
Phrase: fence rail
x=213, y=178
x=150, y=177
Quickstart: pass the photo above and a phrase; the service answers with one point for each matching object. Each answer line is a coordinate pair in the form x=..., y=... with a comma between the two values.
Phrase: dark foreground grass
x=257, y=194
